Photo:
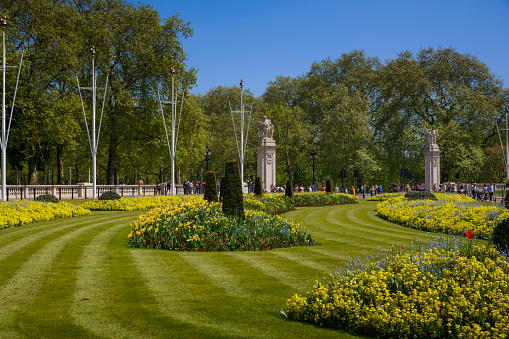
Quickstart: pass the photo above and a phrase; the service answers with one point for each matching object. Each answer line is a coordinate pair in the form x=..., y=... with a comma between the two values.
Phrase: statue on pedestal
x=431, y=137
x=265, y=128
x=431, y=160
x=266, y=147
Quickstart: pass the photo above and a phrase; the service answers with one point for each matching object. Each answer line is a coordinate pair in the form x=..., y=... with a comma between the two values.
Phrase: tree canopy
x=357, y=112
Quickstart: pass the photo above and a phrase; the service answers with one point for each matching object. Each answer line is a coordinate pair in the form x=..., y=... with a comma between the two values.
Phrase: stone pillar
x=431, y=161
x=266, y=166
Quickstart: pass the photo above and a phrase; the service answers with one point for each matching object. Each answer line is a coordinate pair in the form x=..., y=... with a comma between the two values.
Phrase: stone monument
x=266, y=146
x=431, y=160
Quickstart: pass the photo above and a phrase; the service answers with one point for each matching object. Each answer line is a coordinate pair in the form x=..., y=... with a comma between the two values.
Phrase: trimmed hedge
x=233, y=199
x=500, y=236
x=210, y=186
x=258, y=186
x=420, y=195
x=47, y=198
x=289, y=189
x=109, y=195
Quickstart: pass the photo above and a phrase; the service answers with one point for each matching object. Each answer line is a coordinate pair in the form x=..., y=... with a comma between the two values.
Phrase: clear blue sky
x=259, y=40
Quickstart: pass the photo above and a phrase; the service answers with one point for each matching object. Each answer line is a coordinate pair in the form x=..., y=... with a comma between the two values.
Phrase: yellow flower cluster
x=450, y=213
x=175, y=210
x=384, y=196
x=23, y=212
x=133, y=204
x=434, y=294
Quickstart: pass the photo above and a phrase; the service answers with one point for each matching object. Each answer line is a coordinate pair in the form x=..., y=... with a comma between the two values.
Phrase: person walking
x=491, y=190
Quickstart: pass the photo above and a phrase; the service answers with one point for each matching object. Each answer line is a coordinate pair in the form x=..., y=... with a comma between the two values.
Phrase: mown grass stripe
x=11, y=246
x=93, y=293
x=281, y=269
x=188, y=297
x=48, y=312
x=187, y=294
x=18, y=291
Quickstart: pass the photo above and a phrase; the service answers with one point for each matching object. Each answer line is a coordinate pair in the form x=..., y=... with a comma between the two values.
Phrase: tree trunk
x=32, y=170
x=76, y=174
x=60, y=165
x=112, y=155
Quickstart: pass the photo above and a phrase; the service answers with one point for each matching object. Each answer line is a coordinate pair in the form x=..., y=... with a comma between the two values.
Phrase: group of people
x=486, y=192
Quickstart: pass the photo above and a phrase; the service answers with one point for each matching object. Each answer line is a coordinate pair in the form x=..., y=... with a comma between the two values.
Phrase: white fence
x=85, y=191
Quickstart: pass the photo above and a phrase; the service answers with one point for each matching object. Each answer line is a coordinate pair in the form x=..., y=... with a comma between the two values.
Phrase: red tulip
x=470, y=235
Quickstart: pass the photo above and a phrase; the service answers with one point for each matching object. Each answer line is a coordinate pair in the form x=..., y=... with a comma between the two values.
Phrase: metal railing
x=85, y=191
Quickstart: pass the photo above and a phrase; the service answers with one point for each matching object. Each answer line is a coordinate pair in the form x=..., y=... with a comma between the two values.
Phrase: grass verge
x=77, y=278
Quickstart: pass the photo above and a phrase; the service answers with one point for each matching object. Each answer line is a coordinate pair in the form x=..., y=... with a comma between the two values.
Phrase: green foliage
x=109, y=195
x=289, y=189
x=216, y=232
x=395, y=188
x=221, y=189
x=328, y=186
x=258, y=186
x=47, y=198
x=210, y=186
x=420, y=195
x=506, y=197
x=500, y=236
x=233, y=199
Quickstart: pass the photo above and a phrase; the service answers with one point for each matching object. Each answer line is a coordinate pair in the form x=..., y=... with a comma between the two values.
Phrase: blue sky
x=259, y=40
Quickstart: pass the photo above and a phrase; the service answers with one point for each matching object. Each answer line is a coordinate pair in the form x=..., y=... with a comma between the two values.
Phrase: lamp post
x=243, y=142
x=313, y=155
x=6, y=129
x=175, y=124
x=94, y=139
x=207, y=157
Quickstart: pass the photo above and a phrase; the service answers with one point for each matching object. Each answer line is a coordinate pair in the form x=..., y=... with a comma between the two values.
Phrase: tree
x=137, y=52
x=292, y=136
x=47, y=106
x=216, y=106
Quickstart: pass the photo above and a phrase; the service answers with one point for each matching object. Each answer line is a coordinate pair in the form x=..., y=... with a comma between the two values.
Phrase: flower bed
x=278, y=203
x=200, y=226
x=133, y=204
x=384, y=196
x=447, y=288
x=450, y=213
x=322, y=199
x=272, y=204
x=19, y=213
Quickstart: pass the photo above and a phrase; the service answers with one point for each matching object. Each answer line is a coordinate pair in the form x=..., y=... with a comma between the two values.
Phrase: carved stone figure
x=431, y=136
x=265, y=128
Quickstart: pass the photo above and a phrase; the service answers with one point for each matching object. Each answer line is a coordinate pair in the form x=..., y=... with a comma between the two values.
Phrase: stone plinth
x=266, y=168
x=431, y=167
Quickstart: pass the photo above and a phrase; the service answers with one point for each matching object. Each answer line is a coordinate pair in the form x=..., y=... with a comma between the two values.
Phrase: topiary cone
x=210, y=186
x=233, y=198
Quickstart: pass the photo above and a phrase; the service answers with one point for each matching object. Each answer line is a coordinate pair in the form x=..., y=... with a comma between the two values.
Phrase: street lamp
x=243, y=141
x=93, y=137
x=313, y=155
x=207, y=157
x=6, y=125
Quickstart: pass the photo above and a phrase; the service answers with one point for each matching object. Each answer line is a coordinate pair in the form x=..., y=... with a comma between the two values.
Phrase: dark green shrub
x=289, y=189
x=500, y=236
x=233, y=198
x=109, y=195
x=395, y=188
x=210, y=186
x=420, y=195
x=47, y=198
x=328, y=186
x=258, y=186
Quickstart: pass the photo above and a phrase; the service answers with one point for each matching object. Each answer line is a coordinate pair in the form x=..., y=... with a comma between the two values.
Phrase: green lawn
x=76, y=278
